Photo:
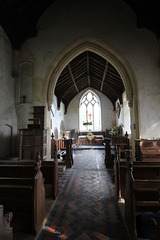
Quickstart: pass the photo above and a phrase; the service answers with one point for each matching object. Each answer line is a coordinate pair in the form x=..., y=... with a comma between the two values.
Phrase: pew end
x=23, y=193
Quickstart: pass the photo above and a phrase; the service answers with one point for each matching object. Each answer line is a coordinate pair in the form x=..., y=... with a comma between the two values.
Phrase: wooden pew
x=120, y=169
x=119, y=143
x=22, y=192
x=141, y=198
x=142, y=169
x=122, y=143
x=147, y=150
x=49, y=169
x=16, y=168
x=6, y=231
x=60, y=145
x=67, y=144
x=50, y=173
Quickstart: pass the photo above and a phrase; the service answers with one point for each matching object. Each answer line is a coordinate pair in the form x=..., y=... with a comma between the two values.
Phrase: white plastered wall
x=124, y=116
x=109, y=21
x=57, y=118
x=8, y=118
x=107, y=113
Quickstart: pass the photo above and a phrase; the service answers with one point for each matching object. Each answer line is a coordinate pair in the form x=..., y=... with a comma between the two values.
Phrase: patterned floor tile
x=86, y=208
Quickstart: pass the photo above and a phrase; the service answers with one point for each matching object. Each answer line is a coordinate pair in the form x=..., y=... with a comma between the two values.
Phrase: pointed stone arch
x=111, y=55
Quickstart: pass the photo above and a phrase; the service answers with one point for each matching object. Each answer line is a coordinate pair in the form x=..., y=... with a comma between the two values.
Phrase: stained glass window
x=90, y=112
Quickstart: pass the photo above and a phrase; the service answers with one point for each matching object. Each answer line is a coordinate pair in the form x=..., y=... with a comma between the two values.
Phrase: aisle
x=86, y=208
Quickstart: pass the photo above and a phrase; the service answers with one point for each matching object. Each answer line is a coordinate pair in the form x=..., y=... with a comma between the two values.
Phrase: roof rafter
x=89, y=70
x=89, y=81
x=70, y=71
x=104, y=76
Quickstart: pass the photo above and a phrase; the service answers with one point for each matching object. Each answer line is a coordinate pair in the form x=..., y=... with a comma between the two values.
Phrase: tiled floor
x=86, y=208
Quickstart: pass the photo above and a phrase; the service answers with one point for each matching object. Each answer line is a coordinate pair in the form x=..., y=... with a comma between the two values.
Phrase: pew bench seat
x=141, y=198
x=50, y=169
x=147, y=149
x=147, y=204
x=17, y=195
x=142, y=170
x=22, y=193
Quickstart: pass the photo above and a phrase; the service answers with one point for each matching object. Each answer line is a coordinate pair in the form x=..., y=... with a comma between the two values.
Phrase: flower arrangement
x=87, y=123
x=116, y=131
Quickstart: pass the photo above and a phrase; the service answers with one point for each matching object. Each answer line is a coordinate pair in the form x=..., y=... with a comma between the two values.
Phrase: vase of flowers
x=116, y=131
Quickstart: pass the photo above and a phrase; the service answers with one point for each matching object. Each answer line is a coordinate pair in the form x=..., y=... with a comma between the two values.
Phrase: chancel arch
x=113, y=57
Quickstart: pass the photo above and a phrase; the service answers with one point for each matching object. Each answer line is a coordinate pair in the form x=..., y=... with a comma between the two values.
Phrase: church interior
x=79, y=112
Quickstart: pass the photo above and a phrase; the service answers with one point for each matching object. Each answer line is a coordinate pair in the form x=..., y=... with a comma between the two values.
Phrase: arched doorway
x=111, y=55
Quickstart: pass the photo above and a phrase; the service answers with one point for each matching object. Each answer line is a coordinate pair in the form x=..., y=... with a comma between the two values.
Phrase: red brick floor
x=86, y=208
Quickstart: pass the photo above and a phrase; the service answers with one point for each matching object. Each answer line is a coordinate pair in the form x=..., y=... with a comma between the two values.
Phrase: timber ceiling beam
x=89, y=81
x=89, y=70
x=104, y=75
x=71, y=74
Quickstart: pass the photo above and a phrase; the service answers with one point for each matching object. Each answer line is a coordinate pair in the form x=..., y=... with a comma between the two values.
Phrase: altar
x=94, y=138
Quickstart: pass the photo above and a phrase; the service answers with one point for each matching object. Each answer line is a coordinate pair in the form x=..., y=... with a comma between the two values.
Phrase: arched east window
x=89, y=112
